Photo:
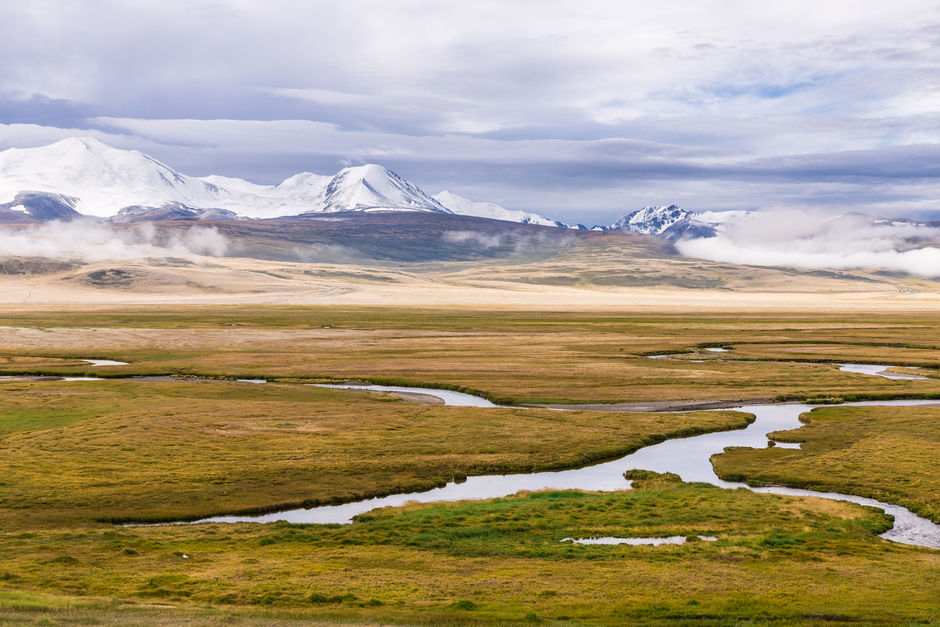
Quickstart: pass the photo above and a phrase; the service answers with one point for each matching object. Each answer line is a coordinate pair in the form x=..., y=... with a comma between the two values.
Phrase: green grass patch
x=777, y=559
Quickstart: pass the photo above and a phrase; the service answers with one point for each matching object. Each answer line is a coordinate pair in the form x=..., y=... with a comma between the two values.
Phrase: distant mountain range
x=83, y=176
x=671, y=222
x=79, y=177
x=87, y=177
x=462, y=206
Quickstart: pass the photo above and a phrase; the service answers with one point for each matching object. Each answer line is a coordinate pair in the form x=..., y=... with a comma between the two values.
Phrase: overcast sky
x=579, y=110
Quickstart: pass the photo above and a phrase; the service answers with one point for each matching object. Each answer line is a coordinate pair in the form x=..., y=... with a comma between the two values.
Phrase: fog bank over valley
x=89, y=242
x=815, y=240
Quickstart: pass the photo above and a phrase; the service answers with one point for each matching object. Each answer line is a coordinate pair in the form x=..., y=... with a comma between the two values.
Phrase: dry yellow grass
x=79, y=452
x=621, y=272
x=75, y=452
x=513, y=355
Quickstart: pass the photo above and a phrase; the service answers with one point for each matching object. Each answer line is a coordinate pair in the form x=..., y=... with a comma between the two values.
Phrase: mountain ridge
x=106, y=182
x=83, y=176
x=463, y=206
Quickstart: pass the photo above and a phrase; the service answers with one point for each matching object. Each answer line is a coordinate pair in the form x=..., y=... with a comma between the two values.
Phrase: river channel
x=690, y=458
x=687, y=457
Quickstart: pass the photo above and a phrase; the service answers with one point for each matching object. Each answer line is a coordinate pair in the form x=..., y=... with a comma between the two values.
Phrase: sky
x=578, y=110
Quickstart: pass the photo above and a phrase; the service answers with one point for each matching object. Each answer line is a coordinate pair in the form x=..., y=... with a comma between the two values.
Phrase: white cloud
x=811, y=240
x=92, y=242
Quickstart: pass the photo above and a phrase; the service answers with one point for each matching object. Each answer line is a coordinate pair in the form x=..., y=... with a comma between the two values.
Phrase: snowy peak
x=92, y=144
x=82, y=158
x=303, y=180
x=372, y=187
x=102, y=179
x=462, y=206
x=668, y=222
x=652, y=220
x=84, y=176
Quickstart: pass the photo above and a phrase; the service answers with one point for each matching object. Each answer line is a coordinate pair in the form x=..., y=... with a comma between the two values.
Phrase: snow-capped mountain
x=462, y=206
x=371, y=187
x=653, y=220
x=84, y=176
x=97, y=179
x=671, y=222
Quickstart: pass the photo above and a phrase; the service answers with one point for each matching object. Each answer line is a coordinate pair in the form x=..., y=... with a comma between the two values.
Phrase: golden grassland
x=510, y=355
x=78, y=454
x=888, y=453
x=114, y=450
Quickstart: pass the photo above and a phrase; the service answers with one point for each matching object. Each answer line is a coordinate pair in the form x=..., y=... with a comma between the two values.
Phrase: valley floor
x=610, y=272
x=80, y=456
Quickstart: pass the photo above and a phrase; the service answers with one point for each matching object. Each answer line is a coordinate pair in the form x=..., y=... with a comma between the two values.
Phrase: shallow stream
x=687, y=457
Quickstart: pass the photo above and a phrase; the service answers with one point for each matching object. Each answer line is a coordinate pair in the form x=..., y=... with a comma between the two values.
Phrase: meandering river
x=687, y=457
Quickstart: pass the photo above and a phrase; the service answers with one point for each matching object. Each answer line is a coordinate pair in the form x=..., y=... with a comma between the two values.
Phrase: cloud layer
x=807, y=240
x=91, y=242
x=579, y=111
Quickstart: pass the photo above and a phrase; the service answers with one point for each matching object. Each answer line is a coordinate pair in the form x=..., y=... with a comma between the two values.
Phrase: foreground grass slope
x=74, y=453
x=888, y=453
x=777, y=559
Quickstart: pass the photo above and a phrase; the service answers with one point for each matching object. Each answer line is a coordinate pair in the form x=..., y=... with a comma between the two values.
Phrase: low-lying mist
x=89, y=242
x=806, y=240
x=519, y=243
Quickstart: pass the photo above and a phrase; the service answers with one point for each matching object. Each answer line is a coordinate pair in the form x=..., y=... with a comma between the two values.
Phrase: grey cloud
x=39, y=109
x=575, y=111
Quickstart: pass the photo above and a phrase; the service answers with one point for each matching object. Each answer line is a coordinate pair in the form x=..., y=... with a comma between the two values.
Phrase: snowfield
x=100, y=181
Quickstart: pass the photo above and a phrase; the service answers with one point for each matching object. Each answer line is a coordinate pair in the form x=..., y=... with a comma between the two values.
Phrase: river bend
x=687, y=457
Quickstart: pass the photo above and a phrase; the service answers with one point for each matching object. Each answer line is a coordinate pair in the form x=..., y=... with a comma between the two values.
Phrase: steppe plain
x=532, y=328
